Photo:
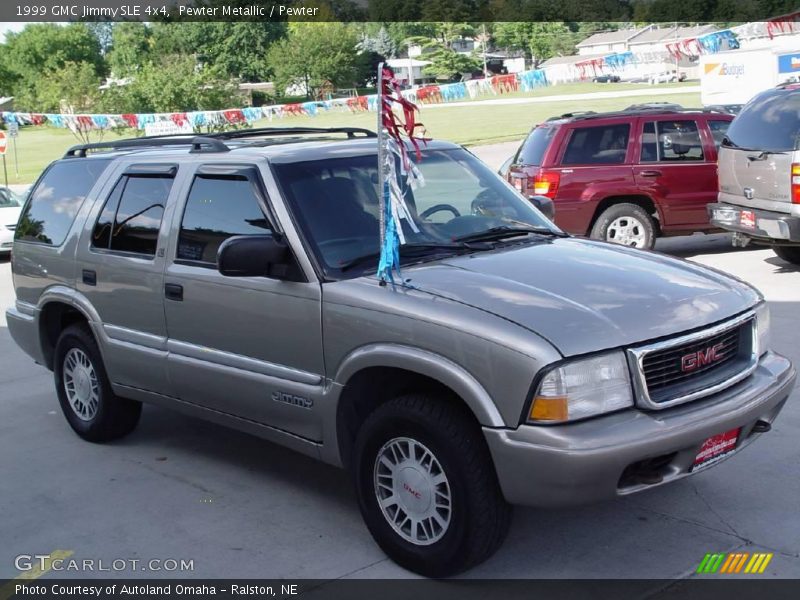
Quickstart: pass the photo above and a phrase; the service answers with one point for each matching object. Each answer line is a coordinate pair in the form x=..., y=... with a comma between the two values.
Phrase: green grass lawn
x=472, y=124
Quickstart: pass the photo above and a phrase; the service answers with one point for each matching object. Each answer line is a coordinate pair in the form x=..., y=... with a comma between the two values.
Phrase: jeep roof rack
x=211, y=142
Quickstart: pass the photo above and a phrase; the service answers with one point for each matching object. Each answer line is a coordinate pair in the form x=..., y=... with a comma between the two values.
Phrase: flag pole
x=381, y=169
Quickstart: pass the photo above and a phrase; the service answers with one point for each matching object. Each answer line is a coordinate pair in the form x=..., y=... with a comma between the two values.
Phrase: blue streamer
x=372, y=102
x=197, y=119
x=100, y=121
x=453, y=91
x=390, y=251
x=251, y=113
x=530, y=80
x=310, y=108
x=142, y=120
x=618, y=60
x=713, y=42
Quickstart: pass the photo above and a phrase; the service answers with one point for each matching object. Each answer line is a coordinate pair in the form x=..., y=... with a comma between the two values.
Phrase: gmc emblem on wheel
x=695, y=360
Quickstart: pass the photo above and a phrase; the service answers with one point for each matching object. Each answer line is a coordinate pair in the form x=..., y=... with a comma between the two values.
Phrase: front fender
x=428, y=364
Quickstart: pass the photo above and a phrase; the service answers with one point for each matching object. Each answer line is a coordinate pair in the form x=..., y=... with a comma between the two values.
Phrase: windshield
x=335, y=203
x=770, y=122
x=9, y=198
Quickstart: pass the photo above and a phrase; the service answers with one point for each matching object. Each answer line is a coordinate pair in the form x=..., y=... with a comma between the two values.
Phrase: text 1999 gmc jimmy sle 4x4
x=232, y=277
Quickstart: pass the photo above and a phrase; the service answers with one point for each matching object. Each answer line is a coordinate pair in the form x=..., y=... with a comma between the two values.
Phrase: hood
x=584, y=296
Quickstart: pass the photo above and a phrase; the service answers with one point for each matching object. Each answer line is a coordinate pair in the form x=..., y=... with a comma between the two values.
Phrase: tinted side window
x=533, y=148
x=718, y=130
x=218, y=208
x=56, y=200
x=769, y=122
x=131, y=218
x=668, y=141
x=603, y=145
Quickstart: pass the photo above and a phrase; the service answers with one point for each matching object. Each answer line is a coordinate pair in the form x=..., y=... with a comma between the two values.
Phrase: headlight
x=762, y=328
x=583, y=388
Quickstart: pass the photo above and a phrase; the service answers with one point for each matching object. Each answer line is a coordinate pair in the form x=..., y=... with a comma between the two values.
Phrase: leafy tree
x=313, y=53
x=539, y=40
x=381, y=43
x=44, y=47
x=448, y=64
x=130, y=47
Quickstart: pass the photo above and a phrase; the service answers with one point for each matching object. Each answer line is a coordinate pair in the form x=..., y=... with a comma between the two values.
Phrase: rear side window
x=671, y=141
x=602, y=145
x=131, y=217
x=55, y=201
x=533, y=148
x=769, y=122
x=218, y=208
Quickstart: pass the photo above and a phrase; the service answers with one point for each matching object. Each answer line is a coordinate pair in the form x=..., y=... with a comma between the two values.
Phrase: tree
x=130, y=47
x=313, y=53
x=72, y=89
x=381, y=43
x=448, y=64
x=538, y=40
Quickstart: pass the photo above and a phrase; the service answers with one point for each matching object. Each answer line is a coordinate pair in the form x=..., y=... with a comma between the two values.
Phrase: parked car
x=759, y=174
x=10, y=207
x=232, y=277
x=626, y=177
x=668, y=77
x=606, y=79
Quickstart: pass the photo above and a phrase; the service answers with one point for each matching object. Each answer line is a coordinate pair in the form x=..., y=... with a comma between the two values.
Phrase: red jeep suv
x=626, y=177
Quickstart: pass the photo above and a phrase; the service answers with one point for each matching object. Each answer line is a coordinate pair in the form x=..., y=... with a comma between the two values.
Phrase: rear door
x=677, y=168
x=755, y=164
x=594, y=160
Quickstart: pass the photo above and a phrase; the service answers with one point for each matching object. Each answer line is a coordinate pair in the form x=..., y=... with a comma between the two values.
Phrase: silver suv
x=233, y=277
x=759, y=174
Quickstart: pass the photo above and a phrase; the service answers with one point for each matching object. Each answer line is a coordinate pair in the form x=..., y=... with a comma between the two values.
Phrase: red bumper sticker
x=715, y=447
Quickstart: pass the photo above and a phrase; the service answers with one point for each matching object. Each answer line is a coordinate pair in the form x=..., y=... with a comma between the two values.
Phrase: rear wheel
x=90, y=406
x=790, y=254
x=625, y=224
x=427, y=488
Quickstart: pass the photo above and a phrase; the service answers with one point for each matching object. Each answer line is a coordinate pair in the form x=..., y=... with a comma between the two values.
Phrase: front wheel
x=427, y=488
x=626, y=224
x=790, y=254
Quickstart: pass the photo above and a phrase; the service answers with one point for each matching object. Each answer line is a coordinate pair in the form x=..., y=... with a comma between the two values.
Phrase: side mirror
x=251, y=255
x=545, y=205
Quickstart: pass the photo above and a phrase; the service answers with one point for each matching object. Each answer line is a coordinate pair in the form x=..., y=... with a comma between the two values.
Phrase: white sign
x=13, y=129
x=168, y=128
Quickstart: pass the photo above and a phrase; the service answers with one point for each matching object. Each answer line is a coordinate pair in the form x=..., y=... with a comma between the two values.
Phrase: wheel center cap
x=82, y=384
x=413, y=490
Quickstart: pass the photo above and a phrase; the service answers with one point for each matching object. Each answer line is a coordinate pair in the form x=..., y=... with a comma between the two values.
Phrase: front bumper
x=583, y=462
x=769, y=226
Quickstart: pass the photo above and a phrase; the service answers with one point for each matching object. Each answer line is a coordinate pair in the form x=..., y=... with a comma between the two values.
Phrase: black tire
x=602, y=229
x=479, y=516
x=114, y=417
x=790, y=254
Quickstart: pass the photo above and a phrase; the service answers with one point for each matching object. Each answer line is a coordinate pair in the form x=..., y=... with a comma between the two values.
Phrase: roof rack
x=211, y=142
x=198, y=144
x=270, y=131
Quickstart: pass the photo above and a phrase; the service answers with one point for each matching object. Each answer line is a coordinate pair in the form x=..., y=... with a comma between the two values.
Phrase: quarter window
x=218, y=207
x=56, y=200
x=671, y=141
x=604, y=145
x=131, y=218
x=718, y=130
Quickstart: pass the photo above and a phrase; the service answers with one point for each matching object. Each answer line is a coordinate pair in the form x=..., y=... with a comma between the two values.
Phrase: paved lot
x=240, y=507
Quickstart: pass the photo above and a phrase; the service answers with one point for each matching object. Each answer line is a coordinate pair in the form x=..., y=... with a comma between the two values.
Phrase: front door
x=246, y=346
x=678, y=168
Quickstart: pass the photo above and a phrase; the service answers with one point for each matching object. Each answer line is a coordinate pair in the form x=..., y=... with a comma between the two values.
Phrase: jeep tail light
x=795, y=183
x=544, y=184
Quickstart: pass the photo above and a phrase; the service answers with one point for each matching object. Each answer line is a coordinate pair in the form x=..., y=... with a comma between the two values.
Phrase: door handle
x=650, y=173
x=89, y=277
x=173, y=291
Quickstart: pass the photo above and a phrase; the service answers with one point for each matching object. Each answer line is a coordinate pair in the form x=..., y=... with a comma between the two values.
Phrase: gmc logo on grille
x=695, y=360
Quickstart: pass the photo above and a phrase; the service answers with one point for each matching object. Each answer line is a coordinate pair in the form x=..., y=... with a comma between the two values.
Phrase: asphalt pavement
x=236, y=506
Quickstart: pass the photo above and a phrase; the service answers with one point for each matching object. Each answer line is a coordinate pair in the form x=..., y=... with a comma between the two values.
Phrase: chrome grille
x=694, y=365
x=665, y=368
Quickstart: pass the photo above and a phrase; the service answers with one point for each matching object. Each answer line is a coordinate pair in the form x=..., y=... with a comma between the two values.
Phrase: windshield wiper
x=504, y=231
x=410, y=250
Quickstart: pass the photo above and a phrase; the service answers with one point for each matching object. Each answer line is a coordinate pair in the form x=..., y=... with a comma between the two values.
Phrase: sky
x=4, y=27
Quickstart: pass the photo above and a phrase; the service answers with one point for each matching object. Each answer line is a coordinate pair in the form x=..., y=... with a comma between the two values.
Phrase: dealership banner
x=386, y=11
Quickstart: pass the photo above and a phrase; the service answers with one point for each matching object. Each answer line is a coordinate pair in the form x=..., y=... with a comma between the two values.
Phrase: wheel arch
x=60, y=307
x=375, y=374
x=642, y=200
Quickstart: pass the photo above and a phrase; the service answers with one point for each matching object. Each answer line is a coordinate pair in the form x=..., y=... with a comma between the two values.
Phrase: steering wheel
x=439, y=207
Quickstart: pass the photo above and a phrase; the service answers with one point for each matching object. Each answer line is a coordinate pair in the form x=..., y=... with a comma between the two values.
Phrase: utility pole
x=483, y=43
